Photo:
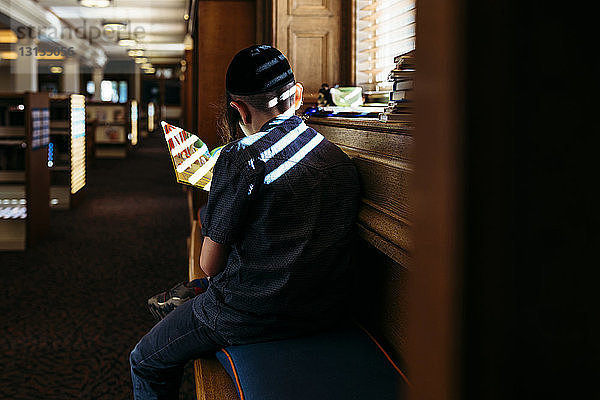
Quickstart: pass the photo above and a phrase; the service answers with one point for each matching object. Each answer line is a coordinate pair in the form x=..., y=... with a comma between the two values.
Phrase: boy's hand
x=163, y=303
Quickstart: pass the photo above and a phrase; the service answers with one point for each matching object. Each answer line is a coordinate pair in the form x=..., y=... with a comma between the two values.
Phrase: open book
x=192, y=161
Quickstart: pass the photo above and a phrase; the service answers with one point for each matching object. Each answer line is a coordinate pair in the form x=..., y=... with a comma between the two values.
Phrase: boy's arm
x=213, y=257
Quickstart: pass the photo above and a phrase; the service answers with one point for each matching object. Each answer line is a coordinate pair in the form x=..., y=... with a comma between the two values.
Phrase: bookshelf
x=151, y=120
x=134, y=118
x=67, y=150
x=113, y=131
x=142, y=120
x=24, y=174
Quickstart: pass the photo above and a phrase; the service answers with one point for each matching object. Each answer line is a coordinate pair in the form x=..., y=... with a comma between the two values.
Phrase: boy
x=277, y=229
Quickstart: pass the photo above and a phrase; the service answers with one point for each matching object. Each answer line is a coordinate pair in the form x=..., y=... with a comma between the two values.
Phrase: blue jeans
x=157, y=361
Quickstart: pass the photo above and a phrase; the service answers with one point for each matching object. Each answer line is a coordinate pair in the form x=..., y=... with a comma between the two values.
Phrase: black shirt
x=286, y=200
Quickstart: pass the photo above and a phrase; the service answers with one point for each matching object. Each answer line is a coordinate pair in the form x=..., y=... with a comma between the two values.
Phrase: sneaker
x=165, y=302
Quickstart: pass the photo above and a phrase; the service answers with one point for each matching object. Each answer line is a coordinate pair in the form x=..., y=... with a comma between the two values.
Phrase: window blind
x=384, y=29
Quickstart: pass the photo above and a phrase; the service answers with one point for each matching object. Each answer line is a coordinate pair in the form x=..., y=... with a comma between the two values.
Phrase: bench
x=212, y=381
x=382, y=154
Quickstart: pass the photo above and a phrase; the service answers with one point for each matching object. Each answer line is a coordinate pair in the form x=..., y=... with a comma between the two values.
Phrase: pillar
x=97, y=76
x=71, y=77
x=138, y=84
x=25, y=67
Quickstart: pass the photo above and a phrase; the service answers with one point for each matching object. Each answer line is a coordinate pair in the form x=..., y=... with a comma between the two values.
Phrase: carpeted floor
x=73, y=306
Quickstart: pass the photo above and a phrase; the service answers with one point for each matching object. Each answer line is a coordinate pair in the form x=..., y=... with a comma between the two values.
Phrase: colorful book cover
x=192, y=161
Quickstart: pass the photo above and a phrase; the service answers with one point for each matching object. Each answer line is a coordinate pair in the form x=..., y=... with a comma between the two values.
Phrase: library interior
x=342, y=199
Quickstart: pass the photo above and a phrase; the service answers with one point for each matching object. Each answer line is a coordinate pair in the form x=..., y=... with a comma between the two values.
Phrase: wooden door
x=308, y=33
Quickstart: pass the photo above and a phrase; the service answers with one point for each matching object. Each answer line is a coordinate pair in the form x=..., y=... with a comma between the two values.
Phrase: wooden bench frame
x=212, y=382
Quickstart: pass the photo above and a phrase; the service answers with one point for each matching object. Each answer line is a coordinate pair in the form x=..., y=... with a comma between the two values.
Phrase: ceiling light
x=186, y=16
x=113, y=25
x=141, y=60
x=165, y=46
x=56, y=70
x=135, y=53
x=95, y=3
x=188, y=42
x=7, y=36
x=146, y=65
x=149, y=71
x=8, y=55
x=51, y=56
x=127, y=42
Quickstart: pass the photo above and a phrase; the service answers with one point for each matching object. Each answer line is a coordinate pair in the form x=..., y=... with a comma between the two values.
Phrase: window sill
x=364, y=124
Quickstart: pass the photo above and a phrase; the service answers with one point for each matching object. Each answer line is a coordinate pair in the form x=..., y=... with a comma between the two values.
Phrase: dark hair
x=277, y=101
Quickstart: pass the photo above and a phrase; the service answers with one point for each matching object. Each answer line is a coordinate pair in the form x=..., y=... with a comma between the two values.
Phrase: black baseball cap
x=258, y=69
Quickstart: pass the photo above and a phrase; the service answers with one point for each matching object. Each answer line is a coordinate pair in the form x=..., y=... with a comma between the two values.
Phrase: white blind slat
x=385, y=29
x=403, y=19
x=386, y=38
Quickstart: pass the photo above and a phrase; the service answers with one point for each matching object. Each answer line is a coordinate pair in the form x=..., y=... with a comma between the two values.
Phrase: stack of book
x=401, y=103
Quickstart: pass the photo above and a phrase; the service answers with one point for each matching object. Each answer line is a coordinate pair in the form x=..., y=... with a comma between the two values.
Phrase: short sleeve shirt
x=285, y=199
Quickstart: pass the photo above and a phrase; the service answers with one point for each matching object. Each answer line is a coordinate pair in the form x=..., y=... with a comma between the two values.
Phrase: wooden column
x=187, y=91
x=434, y=317
x=223, y=28
x=37, y=176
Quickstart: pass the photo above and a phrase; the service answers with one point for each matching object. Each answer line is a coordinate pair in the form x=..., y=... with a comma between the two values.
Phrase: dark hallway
x=73, y=306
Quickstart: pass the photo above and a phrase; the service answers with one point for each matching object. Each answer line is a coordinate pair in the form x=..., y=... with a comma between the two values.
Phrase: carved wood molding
x=388, y=248
x=319, y=8
x=364, y=124
x=321, y=55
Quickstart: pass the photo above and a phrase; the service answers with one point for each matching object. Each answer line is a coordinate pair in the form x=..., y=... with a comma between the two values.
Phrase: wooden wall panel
x=223, y=28
x=376, y=141
x=383, y=156
x=380, y=180
x=382, y=307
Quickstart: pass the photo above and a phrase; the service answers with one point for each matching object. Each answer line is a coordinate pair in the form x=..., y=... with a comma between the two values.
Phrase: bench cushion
x=342, y=365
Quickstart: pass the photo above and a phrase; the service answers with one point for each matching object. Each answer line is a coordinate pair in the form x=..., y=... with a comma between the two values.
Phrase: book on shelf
x=398, y=117
x=400, y=107
x=118, y=115
x=101, y=116
x=396, y=75
x=406, y=60
x=399, y=95
x=376, y=97
x=403, y=85
x=192, y=161
x=407, y=95
x=111, y=134
x=357, y=109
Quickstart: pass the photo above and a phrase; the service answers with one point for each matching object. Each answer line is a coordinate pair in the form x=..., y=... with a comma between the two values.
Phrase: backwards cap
x=258, y=69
